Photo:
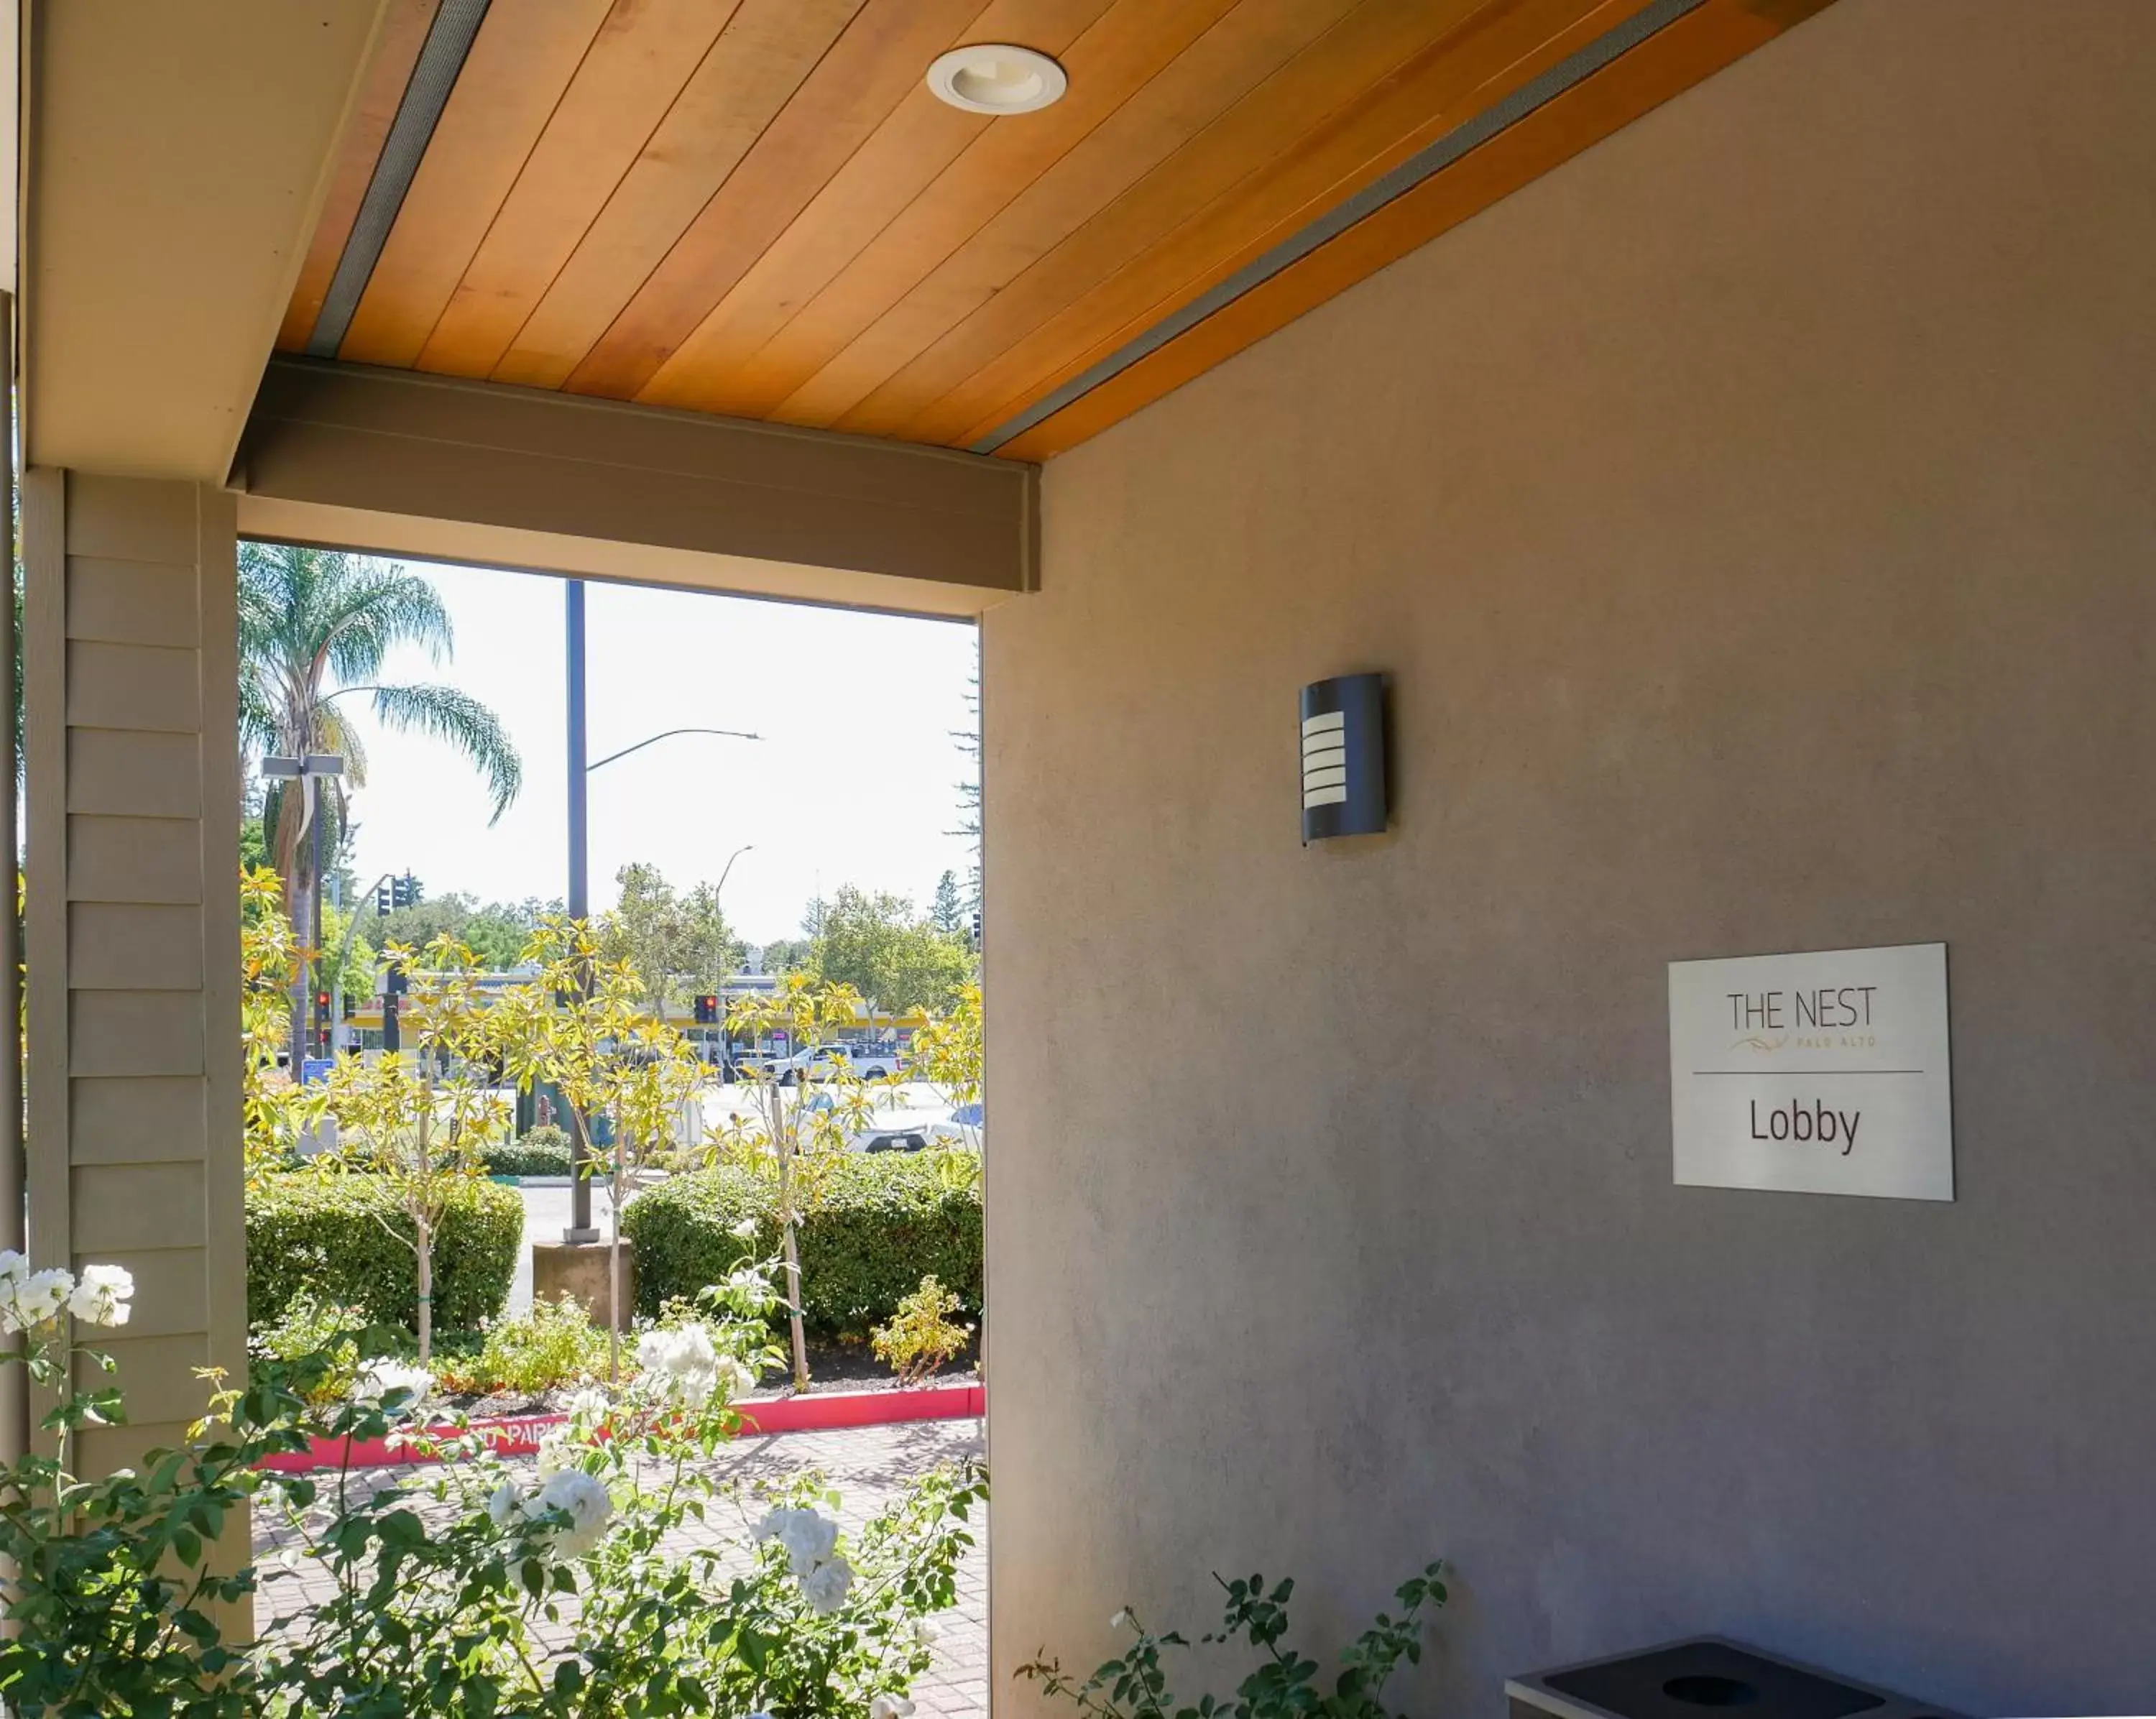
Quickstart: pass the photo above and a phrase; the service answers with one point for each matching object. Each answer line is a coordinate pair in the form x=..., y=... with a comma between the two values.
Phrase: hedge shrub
x=883, y=1222
x=326, y=1233
x=544, y=1152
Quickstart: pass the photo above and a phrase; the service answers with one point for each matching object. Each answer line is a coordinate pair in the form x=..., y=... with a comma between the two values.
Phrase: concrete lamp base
x=579, y=1269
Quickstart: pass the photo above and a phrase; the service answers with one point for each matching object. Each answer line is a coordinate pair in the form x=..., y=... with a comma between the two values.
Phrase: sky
x=853, y=781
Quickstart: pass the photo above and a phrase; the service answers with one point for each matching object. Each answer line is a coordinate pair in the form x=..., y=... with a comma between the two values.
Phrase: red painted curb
x=515, y=1435
x=866, y=1408
x=519, y=1435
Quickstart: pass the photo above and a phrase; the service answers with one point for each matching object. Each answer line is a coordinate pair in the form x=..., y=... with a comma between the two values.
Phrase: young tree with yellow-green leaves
x=948, y=1054
x=268, y=967
x=418, y=1118
x=581, y=1025
x=790, y=1138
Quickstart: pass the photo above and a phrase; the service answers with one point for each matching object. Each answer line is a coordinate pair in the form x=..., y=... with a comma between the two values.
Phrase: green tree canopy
x=876, y=944
x=788, y=955
x=355, y=977
x=495, y=932
x=947, y=911
x=680, y=944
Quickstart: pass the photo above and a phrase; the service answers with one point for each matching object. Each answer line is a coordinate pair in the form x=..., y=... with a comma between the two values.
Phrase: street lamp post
x=309, y=770
x=727, y=871
x=580, y=1227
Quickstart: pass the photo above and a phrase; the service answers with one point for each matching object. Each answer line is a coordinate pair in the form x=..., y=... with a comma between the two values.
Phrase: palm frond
x=446, y=714
x=373, y=610
x=338, y=735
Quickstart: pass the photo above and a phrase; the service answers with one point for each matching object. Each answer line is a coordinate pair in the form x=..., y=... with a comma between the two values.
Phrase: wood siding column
x=132, y=928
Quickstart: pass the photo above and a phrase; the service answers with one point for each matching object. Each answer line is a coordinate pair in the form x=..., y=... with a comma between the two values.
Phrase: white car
x=871, y=1062
x=908, y=1130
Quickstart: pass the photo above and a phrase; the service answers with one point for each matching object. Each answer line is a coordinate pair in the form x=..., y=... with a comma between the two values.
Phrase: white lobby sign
x=1822, y=1073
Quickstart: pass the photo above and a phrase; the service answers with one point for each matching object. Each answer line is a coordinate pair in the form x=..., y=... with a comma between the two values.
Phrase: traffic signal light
x=707, y=1010
x=350, y=1009
x=381, y=899
x=973, y=931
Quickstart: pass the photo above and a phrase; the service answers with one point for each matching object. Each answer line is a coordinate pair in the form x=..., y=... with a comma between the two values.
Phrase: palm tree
x=315, y=627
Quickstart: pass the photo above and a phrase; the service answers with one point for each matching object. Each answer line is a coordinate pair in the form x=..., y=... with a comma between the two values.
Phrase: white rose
x=553, y=1453
x=890, y=1707
x=652, y=1349
x=926, y=1632
x=583, y=1499
x=746, y=1229
x=590, y=1406
x=32, y=1298
x=507, y=1501
x=692, y=1351
x=743, y=1379
x=14, y=1271
x=824, y=1587
x=378, y=1378
x=771, y=1522
x=101, y=1296
x=1121, y=1620
x=808, y=1540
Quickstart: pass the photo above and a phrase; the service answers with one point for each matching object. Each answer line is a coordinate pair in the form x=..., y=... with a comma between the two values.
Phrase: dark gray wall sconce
x=1343, y=757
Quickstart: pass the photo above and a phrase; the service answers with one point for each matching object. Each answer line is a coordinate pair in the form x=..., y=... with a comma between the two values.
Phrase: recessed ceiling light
x=996, y=78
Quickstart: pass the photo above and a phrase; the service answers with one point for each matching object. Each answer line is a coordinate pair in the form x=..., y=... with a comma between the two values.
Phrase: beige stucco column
x=131, y=930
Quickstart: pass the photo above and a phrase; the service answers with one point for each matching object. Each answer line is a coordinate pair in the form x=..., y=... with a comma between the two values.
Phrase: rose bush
x=479, y=1588
x=1284, y=1684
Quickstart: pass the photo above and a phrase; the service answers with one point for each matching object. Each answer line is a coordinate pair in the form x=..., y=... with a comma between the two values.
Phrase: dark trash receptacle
x=1704, y=1678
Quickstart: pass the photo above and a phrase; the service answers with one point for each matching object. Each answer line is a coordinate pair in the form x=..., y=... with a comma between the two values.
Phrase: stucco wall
x=1757, y=517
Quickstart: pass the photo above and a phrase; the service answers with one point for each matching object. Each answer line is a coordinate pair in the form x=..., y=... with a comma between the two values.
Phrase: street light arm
x=351, y=928
x=746, y=847
x=667, y=734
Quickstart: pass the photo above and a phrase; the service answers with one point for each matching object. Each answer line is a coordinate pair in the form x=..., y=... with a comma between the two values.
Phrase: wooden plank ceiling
x=757, y=208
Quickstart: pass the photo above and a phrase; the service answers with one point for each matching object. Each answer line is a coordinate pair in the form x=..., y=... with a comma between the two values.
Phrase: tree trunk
x=423, y=1229
x=426, y=1239
x=794, y=1309
x=783, y=1140
x=613, y=1268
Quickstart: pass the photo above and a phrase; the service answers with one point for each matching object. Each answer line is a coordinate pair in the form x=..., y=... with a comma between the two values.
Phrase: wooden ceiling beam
x=397, y=443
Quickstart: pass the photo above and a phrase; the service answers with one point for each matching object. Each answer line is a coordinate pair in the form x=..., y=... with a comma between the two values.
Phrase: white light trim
x=1325, y=760
x=997, y=77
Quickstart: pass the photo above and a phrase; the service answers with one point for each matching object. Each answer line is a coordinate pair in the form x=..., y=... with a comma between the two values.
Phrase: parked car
x=908, y=1130
x=871, y=1062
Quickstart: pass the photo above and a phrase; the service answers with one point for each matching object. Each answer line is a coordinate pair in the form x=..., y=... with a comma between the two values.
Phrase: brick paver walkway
x=866, y=1466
